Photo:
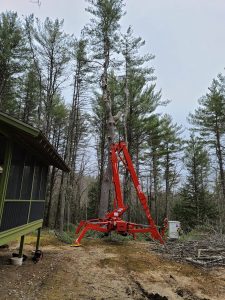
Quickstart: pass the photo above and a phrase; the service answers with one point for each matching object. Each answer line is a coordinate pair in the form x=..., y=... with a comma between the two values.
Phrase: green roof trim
x=7, y=119
x=32, y=139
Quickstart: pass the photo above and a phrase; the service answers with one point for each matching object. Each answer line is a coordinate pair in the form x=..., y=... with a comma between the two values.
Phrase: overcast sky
x=186, y=36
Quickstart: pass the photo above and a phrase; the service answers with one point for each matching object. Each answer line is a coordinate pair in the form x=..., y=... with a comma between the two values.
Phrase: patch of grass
x=65, y=237
x=115, y=237
x=196, y=234
x=70, y=229
x=48, y=237
x=69, y=235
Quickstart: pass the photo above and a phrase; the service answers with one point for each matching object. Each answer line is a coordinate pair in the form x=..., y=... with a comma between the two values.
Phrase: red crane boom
x=112, y=220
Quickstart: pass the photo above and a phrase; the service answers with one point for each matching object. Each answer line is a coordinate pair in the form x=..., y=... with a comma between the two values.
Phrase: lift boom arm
x=119, y=149
x=112, y=220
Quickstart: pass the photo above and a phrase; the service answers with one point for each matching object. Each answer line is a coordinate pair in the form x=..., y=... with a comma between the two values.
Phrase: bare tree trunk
x=68, y=216
x=62, y=202
x=74, y=136
x=167, y=172
x=107, y=178
x=51, y=179
x=196, y=189
x=127, y=181
x=221, y=171
x=101, y=163
x=220, y=162
x=155, y=184
x=127, y=95
x=50, y=198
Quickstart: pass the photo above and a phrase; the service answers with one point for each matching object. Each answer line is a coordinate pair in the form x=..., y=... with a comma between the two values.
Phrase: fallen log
x=209, y=251
x=207, y=261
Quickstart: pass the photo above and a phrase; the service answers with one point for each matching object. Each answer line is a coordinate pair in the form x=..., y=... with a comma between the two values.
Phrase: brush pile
x=205, y=250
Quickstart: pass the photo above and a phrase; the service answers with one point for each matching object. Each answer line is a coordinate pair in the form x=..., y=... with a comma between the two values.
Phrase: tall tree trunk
x=221, y=170
x=127, y=181
x=107, y=178
x=101, y=163
x=196, y=191
x=50, y=197
x=126, y=112
x=220, y=162
x=167, y=172
x=67, y=193
x=62, y=202
x=155, y=184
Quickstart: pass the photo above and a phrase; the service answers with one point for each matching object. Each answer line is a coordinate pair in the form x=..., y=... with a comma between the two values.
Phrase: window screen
x=2, y=154
x=16, y=173
x=28, y=171
x=36, y=211
x=14, y=214
x=36, y=182
x=44, y=174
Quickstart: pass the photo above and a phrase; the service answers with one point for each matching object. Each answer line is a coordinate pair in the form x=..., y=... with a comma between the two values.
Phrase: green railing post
x=21, y=246
x=38, y=239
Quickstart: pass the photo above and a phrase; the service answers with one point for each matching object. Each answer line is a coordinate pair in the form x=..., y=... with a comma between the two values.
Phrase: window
x=14, y=214
x=44, y=174
x=36, y=211
x=16, y=173
x=28, y=172
x=37, y=182
x=2, y=154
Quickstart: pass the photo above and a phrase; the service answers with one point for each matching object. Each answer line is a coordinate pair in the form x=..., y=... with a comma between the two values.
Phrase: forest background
x=112, y=81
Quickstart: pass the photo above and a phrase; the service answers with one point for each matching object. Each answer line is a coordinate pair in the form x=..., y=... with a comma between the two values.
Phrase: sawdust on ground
x=103, y=270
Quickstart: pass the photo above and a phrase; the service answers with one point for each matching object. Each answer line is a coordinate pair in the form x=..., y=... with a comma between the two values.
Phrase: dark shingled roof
x=33, y=139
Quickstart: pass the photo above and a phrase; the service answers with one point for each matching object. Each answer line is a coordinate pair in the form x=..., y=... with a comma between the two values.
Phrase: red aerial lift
x=112, y=220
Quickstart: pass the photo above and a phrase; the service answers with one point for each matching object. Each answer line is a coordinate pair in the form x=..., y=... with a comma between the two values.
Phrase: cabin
x=25, y=157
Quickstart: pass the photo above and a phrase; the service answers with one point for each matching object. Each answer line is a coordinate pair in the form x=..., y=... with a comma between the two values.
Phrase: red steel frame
x=112, y=220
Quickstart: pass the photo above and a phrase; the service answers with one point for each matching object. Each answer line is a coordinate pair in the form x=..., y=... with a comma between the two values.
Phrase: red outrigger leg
x=112, y=220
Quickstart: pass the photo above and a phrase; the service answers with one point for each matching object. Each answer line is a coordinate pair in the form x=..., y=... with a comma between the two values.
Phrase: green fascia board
x=12, y=234
x=19, y=124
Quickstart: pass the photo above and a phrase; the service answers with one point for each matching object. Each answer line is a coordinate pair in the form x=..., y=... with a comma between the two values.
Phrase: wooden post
x=38, y=239
x=21, y=246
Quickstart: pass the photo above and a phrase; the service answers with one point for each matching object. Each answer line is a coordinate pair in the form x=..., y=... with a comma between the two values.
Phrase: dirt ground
x=104, y=269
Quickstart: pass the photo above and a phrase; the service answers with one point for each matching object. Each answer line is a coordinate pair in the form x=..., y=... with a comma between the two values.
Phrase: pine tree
x=171, y=146
x=154, y=153
x=195, y=206
x=209, y=120
x=98, y=121
x=135, y=69
x=93, y=201
x=77, y=131
x=103, y=35
x=59, y=117
x=29, y=94
x=13, y=59
x=50, y=52
x=75, y=134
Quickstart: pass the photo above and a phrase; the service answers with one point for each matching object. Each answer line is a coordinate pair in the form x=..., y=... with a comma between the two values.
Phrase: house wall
x=22, y=192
